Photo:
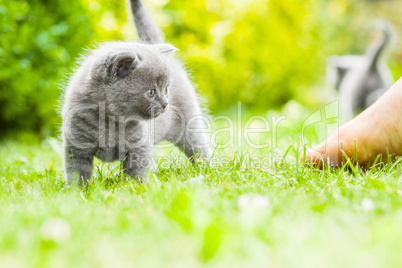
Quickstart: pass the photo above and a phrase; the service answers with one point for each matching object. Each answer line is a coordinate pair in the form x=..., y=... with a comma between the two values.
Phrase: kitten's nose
x=164, y=102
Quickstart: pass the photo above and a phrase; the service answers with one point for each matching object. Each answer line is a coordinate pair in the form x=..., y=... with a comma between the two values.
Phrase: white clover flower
x=367, y=204
x=55, y=229
x=248, y=202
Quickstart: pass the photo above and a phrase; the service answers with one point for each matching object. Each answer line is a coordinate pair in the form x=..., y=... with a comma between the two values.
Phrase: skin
x=377, y=131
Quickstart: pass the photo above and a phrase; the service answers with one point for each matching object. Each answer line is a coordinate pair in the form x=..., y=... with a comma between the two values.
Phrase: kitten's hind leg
x=78, y=166
x=138, y=163
x=196, y=146
x=146, y=27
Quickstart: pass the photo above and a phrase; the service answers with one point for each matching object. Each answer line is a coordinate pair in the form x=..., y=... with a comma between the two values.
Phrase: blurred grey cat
x=124, y=98
x=361, y=80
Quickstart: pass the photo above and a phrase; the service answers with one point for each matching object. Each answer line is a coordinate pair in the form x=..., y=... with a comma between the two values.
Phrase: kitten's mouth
x=161, y=111
x=154, y=114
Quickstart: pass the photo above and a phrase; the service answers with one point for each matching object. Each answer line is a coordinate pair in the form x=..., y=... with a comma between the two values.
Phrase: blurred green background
x=260, y=52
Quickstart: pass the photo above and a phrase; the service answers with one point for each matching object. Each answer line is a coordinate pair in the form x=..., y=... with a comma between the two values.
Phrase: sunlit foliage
x=259, y=52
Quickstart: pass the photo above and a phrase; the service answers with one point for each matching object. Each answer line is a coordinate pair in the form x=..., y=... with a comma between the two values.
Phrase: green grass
x=235, y=215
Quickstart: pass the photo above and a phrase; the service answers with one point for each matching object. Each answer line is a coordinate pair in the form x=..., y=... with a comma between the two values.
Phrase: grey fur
x=361, y=80
x=108, y=113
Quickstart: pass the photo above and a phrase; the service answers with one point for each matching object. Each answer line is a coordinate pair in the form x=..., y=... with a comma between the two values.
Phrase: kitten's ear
x=165, y=48
x=122, y=64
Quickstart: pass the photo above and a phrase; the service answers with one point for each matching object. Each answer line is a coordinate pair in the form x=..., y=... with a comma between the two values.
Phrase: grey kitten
x=124, y=98
x=361, y=80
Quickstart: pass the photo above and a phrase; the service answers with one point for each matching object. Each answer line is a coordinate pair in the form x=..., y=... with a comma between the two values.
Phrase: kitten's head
x=135, y=81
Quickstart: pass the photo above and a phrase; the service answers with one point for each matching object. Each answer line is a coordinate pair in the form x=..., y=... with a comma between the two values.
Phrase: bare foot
x=376, y=131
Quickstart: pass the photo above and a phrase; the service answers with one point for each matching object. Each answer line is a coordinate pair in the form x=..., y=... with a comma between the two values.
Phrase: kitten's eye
x=151, y=93
x=166, y=90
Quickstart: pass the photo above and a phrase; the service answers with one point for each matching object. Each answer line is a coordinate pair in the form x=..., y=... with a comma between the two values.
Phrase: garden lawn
x=234, y=214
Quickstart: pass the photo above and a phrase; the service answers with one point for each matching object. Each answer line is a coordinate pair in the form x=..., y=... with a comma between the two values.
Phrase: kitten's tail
x=146, y=27
x=381, y=45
